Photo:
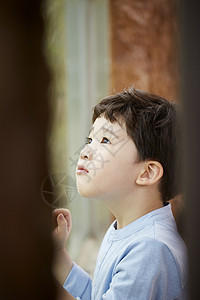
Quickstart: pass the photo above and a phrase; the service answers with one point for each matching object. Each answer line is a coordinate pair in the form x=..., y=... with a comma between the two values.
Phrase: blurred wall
x=87, y=48
x=145, y=46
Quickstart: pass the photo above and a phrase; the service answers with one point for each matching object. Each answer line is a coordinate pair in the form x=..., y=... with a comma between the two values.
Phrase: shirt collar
x=155, y=215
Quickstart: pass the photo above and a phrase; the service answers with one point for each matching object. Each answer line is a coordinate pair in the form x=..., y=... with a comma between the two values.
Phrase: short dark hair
x=151, y=122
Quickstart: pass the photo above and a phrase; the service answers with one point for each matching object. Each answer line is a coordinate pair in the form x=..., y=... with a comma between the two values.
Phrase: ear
x=151, y=173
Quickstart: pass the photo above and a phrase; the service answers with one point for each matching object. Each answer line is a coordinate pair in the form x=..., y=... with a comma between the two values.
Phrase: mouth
x=81, y=170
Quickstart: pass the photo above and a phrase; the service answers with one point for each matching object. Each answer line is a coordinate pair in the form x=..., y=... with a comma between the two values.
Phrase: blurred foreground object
x=191, y=97
x=26, y=250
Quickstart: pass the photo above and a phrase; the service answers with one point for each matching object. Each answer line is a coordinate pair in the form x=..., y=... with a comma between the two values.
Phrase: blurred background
x=95, y=48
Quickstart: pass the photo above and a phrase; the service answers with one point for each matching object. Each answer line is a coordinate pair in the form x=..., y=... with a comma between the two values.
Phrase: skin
x=109, y=170
x=108, y=155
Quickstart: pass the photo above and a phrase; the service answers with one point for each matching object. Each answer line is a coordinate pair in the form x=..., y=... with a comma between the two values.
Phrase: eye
x=105, y=141
x=88, y=140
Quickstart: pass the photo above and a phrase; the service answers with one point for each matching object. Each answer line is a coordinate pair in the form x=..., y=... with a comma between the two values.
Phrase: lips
x=82, y=170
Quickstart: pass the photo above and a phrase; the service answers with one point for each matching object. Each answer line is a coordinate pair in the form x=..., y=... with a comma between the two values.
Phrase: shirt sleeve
x=147, y=270
x=78, y=283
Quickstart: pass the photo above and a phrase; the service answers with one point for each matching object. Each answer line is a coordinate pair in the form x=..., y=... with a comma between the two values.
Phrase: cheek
x=115, y=173
x=100, y=161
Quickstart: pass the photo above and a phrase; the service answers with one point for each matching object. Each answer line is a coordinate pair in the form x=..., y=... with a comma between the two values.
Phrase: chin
x=84, y=192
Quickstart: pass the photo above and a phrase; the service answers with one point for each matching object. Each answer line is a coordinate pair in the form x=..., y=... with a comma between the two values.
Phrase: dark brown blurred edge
x=191, y=100
x=26, y=250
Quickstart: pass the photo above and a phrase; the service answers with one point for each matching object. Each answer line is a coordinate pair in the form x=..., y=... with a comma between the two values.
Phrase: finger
x=64, y=211
x=61, y=220
x=68, y=217
x=66, y=214
x=62, y=224
x=69, y=221
x=66, y=223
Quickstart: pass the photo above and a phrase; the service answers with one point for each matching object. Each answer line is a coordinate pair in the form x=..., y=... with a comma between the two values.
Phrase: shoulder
x=152, y=256
x=149, y=261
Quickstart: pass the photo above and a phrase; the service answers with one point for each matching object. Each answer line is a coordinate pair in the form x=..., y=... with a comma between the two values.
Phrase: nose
x=86, y=153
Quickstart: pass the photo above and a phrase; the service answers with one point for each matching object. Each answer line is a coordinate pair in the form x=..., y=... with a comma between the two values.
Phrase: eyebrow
x=104, y=129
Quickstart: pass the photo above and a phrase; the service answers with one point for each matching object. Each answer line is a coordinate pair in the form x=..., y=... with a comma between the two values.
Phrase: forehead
x=102, y=125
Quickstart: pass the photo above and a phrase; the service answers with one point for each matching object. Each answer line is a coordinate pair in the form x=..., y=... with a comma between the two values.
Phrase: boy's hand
x=63, y=225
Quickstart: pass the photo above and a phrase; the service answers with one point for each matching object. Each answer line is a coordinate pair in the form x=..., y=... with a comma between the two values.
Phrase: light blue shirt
x=145, y=260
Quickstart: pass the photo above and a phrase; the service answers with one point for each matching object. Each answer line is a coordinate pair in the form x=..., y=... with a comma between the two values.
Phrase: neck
x=129, y=208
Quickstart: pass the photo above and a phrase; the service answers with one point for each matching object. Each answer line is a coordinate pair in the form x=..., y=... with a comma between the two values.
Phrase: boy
x=142, y=255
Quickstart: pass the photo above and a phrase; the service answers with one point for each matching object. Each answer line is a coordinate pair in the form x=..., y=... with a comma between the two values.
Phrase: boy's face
x=108, y=165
